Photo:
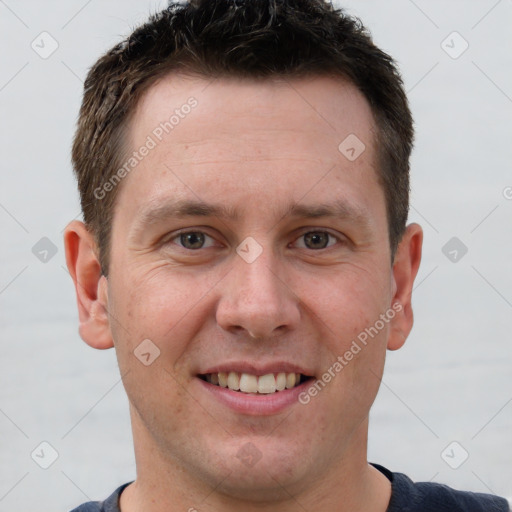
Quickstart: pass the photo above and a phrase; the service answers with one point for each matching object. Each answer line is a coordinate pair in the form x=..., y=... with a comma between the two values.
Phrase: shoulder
x=408, y=496
x=111, y=504
x=90, y=506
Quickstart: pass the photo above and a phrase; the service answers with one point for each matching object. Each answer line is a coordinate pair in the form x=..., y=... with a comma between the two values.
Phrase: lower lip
x=256, y=404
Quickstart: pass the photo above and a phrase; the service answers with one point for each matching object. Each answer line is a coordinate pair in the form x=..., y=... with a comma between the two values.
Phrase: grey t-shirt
x=406, y=496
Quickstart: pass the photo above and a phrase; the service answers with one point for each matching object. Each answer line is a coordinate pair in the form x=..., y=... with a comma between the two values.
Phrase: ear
x=90, y=285
x=405, y=267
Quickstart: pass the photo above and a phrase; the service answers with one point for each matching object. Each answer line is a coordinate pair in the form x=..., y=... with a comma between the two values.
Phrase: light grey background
x=451, y=381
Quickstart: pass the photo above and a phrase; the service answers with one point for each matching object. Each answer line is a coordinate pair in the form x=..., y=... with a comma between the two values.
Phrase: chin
x=261, y=469
x=259, y=485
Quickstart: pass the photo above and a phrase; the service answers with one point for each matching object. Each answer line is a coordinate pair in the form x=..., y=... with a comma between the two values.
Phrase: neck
x=164, y=484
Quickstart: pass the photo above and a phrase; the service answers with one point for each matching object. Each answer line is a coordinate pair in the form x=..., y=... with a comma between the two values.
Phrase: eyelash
x=315, y=231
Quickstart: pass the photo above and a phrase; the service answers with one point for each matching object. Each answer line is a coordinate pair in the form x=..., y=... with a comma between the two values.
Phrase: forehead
x=332, y=107
x=226, y=135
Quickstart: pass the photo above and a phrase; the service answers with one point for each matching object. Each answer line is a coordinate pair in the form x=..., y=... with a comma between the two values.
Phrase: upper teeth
x=248, y=383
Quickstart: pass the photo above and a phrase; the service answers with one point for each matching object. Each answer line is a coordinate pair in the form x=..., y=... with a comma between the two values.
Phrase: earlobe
x=90, y=285
x=405, y=269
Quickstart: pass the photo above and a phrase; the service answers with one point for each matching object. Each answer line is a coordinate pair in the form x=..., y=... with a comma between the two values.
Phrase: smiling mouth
x=248, y=383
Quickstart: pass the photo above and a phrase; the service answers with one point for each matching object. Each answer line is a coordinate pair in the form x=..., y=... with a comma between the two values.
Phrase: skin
x=256, y=148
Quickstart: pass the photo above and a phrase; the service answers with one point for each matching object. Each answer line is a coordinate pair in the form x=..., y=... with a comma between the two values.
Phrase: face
x=249, y=248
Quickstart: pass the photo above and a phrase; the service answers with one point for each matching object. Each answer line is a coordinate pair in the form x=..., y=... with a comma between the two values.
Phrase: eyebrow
x=341, y=209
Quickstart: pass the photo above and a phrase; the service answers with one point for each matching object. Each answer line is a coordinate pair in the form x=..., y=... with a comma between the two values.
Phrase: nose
x=255, y=300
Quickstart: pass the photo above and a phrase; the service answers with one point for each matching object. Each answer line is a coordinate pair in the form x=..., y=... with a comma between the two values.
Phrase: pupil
x=192, y=240
x=316, y=240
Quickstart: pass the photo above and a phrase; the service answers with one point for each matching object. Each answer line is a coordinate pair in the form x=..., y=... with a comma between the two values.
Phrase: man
x=243, y=171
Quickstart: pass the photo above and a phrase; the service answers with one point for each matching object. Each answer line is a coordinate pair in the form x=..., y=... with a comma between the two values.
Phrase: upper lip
x=257, y=369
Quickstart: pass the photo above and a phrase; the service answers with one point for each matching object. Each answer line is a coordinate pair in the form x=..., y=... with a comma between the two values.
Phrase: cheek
x=347, y=301
x=160, y=305
x=347, y=309
x=168, y=311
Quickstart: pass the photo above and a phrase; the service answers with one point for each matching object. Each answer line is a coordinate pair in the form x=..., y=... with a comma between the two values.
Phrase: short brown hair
x=251, y=39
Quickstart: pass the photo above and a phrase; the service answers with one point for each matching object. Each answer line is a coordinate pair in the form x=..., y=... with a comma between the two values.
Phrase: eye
x=193, y=240
x=316, y=240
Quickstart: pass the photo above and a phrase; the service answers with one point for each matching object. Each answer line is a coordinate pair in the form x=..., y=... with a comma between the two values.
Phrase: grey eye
x=316, y=239
x=192, y=240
